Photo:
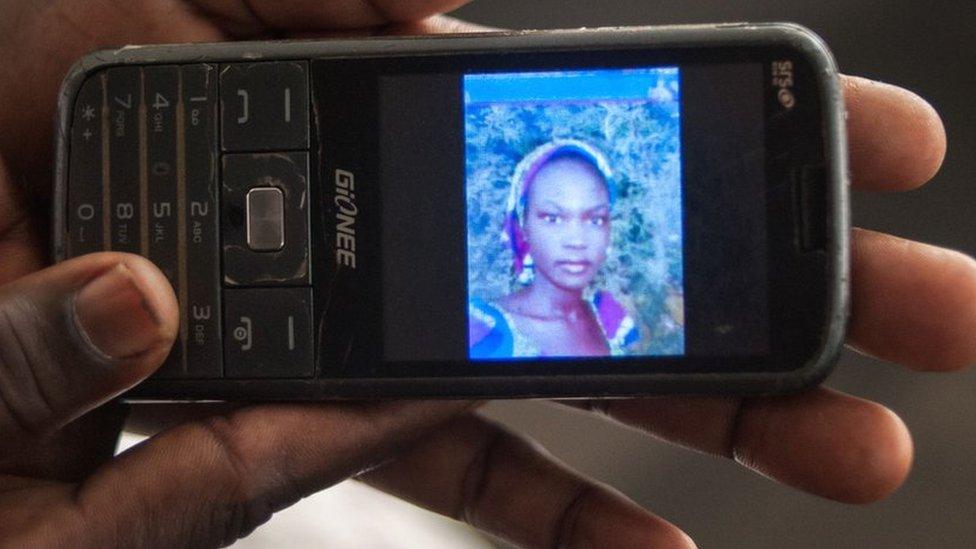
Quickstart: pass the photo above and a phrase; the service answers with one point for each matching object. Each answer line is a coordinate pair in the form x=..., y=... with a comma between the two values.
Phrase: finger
x=19, y=247
x=912, y=303
x=896, y=139
x=215, y=480
x=75, y=335
x=258, y=16
x=437, y=24
x=475, y=471
x=822, y=441
x=150, y=418
x=73, y=452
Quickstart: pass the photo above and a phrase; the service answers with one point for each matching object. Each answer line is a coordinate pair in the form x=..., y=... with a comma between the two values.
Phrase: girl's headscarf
x=522, y=178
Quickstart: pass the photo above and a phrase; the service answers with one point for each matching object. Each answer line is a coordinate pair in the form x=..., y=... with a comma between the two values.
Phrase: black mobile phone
x=573, y=213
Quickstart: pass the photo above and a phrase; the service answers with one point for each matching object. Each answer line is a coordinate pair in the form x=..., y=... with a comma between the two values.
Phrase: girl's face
x=567, y=222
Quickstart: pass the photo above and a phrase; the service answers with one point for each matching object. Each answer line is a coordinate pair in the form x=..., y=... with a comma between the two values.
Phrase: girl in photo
x=558, y=226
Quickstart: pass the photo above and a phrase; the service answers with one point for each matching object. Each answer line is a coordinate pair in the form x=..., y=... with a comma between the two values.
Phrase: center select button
x=265, y=213
x=264, y=219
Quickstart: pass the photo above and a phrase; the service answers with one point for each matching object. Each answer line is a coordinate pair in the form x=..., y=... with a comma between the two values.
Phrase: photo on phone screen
x=573, y=186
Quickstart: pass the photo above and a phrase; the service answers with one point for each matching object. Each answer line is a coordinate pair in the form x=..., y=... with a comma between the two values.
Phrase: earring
x=528, y=270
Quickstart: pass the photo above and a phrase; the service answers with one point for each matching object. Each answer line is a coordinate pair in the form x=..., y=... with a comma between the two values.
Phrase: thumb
x=76, y=334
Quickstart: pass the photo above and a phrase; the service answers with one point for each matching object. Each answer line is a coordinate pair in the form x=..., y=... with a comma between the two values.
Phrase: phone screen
x=589, y=259
x=555, y=210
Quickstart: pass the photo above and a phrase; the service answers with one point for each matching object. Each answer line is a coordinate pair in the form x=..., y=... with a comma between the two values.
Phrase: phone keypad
x=147, y=175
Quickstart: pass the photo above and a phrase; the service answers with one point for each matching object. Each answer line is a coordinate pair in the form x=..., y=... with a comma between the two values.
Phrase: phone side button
x=811, y=205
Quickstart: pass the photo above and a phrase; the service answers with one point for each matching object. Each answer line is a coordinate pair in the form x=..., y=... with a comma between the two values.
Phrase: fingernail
x=115, y=316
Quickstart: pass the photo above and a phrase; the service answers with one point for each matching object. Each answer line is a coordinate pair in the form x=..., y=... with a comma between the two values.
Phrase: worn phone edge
x=801, y=39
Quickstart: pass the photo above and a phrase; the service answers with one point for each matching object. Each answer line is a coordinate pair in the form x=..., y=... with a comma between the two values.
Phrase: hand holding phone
x=829, y=427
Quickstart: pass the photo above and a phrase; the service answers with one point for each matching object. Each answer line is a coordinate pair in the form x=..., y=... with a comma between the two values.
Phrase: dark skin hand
x=74, y=335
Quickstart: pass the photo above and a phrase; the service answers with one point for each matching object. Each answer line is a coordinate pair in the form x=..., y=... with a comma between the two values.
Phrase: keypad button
x=161, y=85
x=288, y=265
x=85, y=210
x=124, y=88
x=201, y=272
x=268, y=333
x=264, y=106
x=161, y=99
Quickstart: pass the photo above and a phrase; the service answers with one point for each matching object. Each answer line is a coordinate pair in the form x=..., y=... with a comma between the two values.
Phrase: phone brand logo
x=346, y=211
x=782, y=73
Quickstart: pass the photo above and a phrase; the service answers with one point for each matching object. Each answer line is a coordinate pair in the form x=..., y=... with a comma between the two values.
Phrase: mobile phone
x=574, y=213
